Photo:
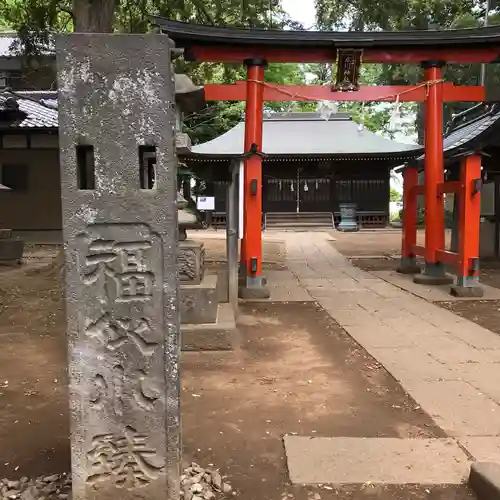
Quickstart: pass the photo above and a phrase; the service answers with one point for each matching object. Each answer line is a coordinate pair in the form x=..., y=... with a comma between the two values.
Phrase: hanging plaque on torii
x=430, y=49
x=348, y=69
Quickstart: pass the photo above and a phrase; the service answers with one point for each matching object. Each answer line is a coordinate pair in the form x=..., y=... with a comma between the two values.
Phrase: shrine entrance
x=310, y=175
x=430, y=49
x=304, y=193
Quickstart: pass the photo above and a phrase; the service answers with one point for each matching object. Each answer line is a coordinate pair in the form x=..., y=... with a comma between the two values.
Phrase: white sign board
x=205, y=203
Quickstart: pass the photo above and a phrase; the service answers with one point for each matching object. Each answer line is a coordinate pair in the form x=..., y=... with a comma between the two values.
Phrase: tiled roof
x=8, y=103
x=472, y=135
x=37, y=94
x=37, y=114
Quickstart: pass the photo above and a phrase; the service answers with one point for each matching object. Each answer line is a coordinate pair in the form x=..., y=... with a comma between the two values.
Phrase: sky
x=300, y=10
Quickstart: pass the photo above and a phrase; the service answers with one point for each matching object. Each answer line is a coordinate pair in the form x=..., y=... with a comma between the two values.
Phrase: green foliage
x=448, y=217
x=37, y=20
x=395, y=195
x=34, y=20
x=412, y=15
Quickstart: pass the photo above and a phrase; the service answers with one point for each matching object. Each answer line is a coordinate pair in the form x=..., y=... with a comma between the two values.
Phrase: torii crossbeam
x=432, y=49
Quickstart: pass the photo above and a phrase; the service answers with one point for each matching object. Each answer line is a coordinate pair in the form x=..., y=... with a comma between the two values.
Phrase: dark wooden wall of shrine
x=321, y=186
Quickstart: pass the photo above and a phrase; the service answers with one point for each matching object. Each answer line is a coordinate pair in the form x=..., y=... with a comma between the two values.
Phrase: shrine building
x=311, y=165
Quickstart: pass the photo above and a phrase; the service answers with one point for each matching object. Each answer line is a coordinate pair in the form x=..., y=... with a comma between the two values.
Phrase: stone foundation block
x=218, y=336
x=408, y=269
x=467, y=291
x=198, y=303
x=484, y=480
x=426, y=279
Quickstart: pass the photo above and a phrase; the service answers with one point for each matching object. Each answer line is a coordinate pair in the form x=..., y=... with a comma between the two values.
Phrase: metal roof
x=308, y=134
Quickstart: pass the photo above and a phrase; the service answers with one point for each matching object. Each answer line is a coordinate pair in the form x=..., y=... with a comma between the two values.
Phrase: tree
x=35, y=20
x=411, y=15
x=395, y=195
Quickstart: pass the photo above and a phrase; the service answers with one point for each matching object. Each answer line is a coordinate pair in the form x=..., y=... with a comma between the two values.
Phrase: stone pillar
x=232, y=235
x=116, y=102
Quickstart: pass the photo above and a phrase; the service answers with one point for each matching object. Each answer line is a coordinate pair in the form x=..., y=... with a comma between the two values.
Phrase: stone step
x=198, y=303
x=218, y=336
x=296, y=220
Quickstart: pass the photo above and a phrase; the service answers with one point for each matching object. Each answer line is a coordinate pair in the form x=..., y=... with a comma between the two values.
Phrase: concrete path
x=348, y=460
x=439, y=293
x=450, y=366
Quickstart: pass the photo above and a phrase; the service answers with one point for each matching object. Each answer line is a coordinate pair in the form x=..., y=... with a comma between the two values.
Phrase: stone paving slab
x=457, y=407
x=483, y=449
x=284, y=287
x=453, y=351
x=409, y=364
x=435, y=293
x=474, y=335
x=377, y=460
x=379, y=336
x=484, y=380
x=449, y=365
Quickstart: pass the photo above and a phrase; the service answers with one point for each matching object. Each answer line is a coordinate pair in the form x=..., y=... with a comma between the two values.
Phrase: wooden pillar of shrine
x=434, y=271
x=408, y=264
x=253, y=285
x=469, y=213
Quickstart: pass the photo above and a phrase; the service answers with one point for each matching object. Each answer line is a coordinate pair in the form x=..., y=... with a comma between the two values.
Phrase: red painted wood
x=418, y=250
x=450, y=258
x=324, y=55
x=418, y=190
x=433, y=166
x=469, y=215
x=409, y=237
x=449, y=187
x=407, y=93
x=251, y=246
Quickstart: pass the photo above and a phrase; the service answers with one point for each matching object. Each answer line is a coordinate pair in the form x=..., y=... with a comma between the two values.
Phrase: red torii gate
x=431, y=49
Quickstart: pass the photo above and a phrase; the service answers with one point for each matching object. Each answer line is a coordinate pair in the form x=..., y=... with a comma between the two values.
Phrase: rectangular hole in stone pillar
x=147, y=167
x=85, y=166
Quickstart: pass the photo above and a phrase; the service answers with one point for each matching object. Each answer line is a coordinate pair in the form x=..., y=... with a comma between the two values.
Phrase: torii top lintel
x=223, y=44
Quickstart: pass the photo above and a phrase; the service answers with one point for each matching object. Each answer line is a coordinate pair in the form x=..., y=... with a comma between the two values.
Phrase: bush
x=448, y=217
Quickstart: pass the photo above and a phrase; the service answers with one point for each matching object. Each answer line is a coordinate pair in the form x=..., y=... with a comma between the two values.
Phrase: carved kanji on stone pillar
x=116, y=95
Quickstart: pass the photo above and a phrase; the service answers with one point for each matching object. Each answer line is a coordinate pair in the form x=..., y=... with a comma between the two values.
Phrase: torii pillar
x=434, y=271
x=253, y=283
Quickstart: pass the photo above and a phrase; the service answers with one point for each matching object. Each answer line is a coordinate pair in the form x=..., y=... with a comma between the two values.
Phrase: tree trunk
x=94, y=16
